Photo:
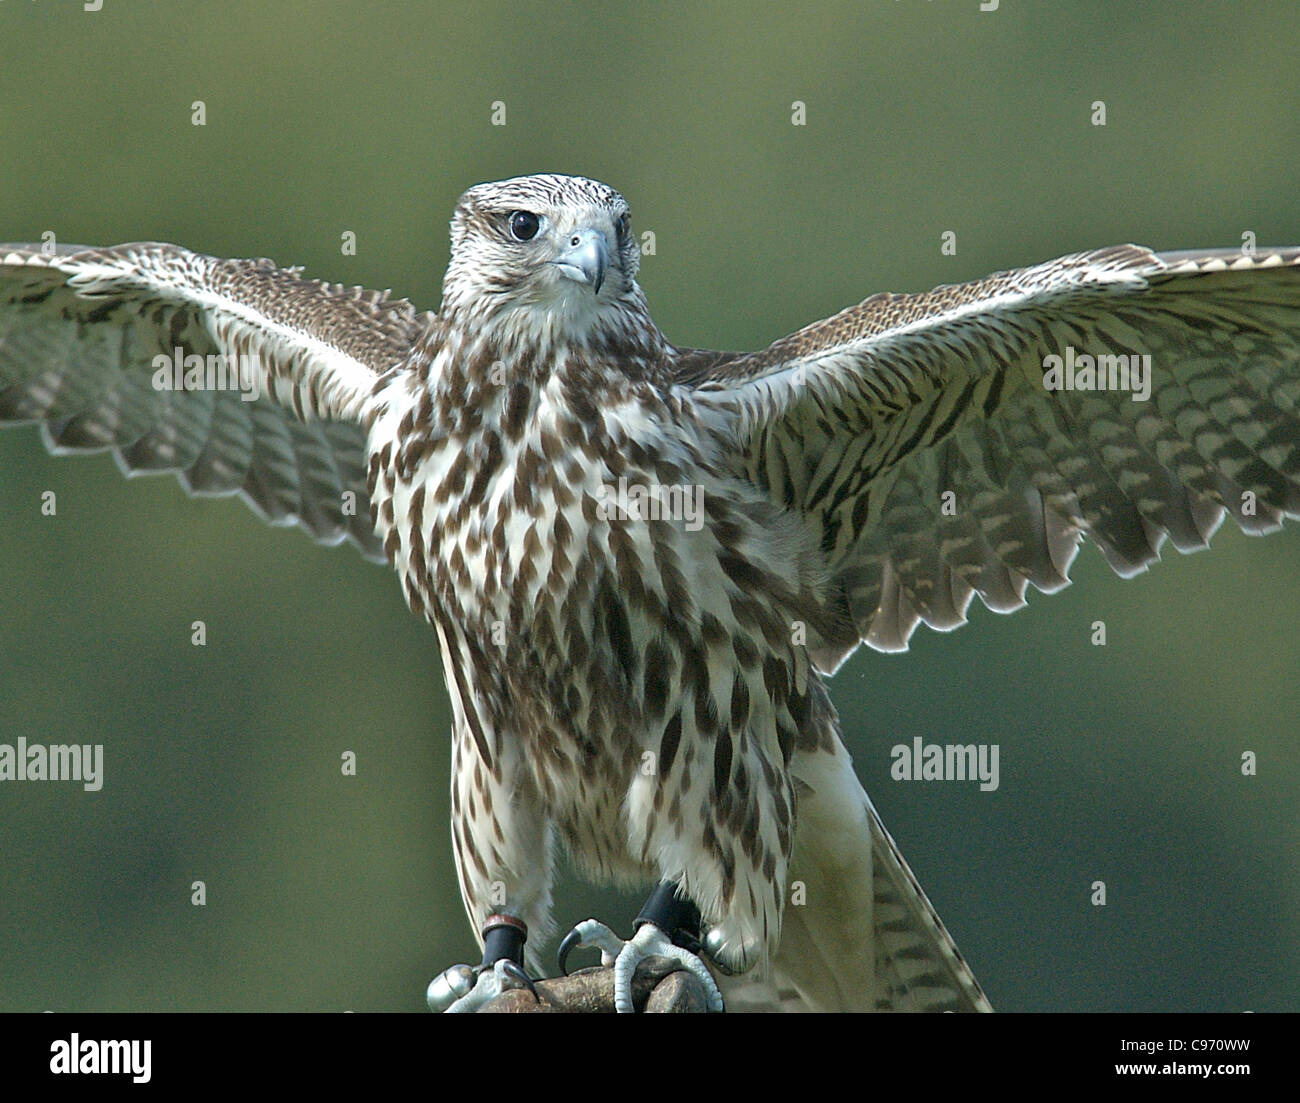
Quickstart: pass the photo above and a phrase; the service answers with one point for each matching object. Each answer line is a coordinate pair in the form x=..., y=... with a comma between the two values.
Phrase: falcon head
x=548, y=256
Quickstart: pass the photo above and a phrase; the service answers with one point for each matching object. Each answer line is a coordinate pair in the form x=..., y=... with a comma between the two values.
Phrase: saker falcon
x=642, y=560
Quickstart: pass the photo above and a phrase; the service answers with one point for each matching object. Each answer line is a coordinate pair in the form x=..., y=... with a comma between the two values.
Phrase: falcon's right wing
x=934, y=456
x=92, y=342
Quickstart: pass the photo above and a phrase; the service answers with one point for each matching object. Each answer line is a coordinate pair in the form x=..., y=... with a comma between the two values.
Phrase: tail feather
x=859, y=933
x=918, y=966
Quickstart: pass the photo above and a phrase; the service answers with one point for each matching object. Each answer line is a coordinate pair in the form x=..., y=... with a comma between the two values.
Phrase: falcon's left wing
x=94, y=341
x=930, y=442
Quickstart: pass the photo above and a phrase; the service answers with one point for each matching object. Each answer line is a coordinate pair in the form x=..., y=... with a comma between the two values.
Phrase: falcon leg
x=667, y=926
x=463, y=988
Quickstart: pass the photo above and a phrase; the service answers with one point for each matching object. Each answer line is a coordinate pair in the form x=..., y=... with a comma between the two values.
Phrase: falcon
x=642, y=561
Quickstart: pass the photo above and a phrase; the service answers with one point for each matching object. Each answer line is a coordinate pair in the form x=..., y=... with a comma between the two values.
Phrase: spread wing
x=928, y=442
x=273, y=372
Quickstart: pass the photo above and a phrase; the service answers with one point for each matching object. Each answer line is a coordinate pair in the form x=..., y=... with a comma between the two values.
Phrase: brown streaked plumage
x=647, y=692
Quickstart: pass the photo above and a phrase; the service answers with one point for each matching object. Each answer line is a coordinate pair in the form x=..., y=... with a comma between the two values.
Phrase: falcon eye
x=524, y=225
x=621, y=226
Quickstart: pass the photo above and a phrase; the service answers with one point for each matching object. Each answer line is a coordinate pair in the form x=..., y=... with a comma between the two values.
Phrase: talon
x=593, y=933
x=462, y=988
x=515, y=972
x=651, y=941
x=571, y=942
x=625, y=955
x=489, y=981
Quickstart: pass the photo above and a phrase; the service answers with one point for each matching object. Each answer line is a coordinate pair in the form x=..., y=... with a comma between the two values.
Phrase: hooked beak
x=585, y=258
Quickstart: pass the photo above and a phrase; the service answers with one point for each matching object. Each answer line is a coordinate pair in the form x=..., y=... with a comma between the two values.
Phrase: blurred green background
x=1119, y=763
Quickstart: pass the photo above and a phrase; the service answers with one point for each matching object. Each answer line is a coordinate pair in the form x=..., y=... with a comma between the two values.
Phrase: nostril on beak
x=585, y=258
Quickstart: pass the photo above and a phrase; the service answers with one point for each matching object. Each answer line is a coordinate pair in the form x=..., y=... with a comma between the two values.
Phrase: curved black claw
x=516, y=972
x=567, y=946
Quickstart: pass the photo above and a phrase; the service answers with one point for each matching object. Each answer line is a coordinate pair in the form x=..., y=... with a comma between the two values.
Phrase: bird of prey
x=642, y=560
